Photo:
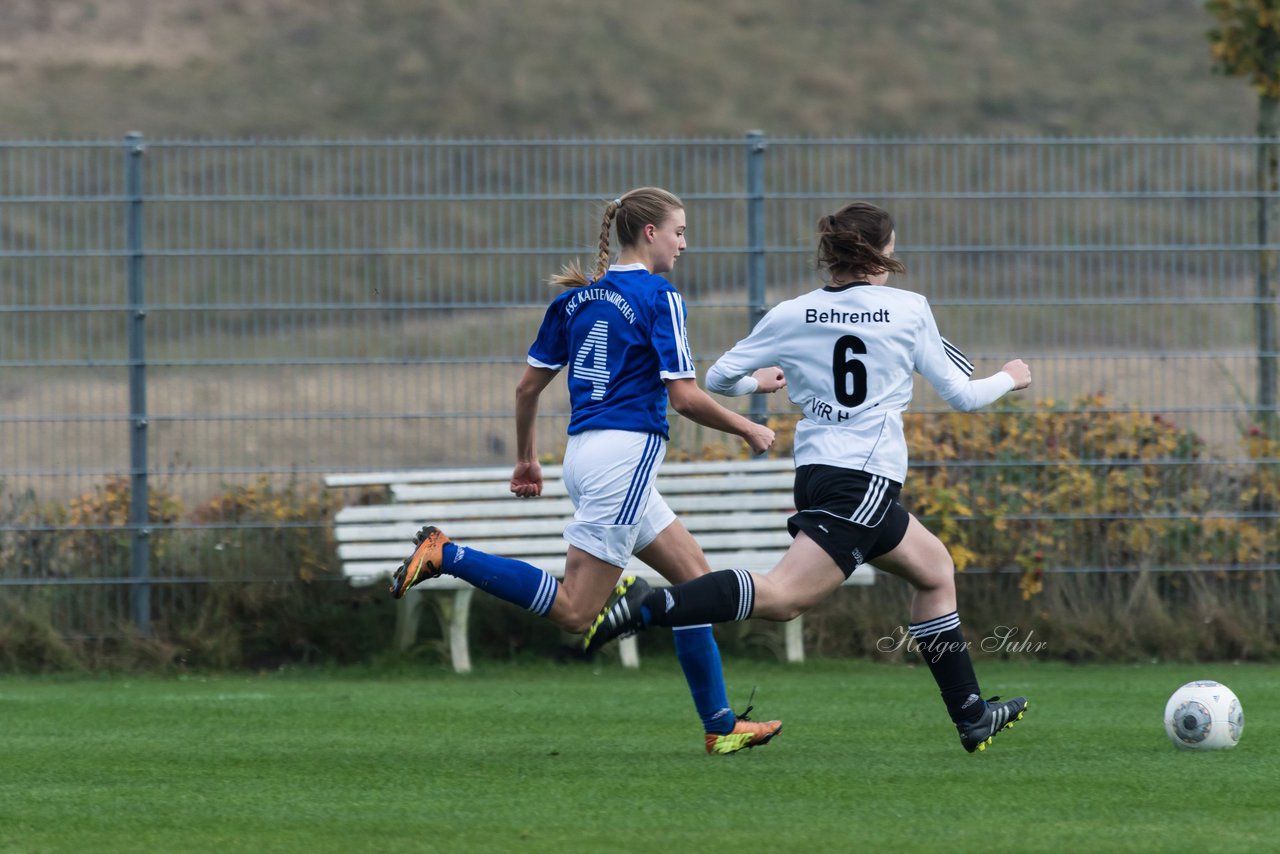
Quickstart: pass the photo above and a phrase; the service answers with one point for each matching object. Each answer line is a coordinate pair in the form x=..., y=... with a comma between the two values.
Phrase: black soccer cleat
x=997, y=716
x=621, y=615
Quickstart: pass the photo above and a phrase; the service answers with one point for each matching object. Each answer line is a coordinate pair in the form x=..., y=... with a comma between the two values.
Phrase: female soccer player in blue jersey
x=620, y=337
x=848, y=352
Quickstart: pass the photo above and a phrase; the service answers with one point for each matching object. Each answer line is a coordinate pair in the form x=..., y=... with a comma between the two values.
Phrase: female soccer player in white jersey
x=848, y=352
x=620, y=337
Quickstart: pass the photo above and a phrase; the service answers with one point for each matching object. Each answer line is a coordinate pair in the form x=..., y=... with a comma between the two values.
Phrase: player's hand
x=526, y=480
x=760, y=438
x=1020, y=372
x=769, y=380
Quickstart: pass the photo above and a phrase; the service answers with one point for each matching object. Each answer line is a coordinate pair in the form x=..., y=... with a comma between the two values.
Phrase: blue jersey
x=620, y=337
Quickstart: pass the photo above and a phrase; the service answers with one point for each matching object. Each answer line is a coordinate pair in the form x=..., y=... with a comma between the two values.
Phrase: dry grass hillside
x=440, y=68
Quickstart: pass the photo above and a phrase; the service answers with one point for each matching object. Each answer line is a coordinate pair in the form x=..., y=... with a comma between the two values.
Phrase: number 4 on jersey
x=592, y=361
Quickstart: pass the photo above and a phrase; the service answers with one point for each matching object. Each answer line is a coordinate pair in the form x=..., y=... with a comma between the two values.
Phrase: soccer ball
x=1203, y=715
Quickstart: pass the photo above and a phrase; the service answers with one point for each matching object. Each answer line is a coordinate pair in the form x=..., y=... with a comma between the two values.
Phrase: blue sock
x=700, y=659
x=507, y=578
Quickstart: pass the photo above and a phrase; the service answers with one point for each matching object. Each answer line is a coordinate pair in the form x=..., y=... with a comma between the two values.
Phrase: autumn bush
x=1105, y=532
x=249, y=578
x=1080, y=531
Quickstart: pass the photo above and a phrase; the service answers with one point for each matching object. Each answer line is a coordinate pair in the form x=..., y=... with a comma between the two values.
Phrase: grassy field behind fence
x=580, y=758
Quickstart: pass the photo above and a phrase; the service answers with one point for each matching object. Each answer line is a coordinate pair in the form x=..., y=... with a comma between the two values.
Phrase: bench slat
x=557, y=508
x=709, y=485
x=386, y=478
x=503, y=474
x=777, y=541
x=736, y=509
x=403, y=532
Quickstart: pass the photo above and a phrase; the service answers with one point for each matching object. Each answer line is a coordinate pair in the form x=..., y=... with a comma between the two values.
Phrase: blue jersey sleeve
x=550, y=348
x=670, y=339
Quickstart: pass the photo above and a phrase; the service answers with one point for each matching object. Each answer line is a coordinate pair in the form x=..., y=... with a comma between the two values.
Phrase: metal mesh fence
x=198, y=317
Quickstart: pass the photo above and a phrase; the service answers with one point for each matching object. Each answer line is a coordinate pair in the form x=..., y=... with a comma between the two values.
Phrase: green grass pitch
x=538, y=757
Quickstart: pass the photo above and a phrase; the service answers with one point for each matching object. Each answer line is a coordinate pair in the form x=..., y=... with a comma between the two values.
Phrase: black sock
x=943, y=648
x=717, y=597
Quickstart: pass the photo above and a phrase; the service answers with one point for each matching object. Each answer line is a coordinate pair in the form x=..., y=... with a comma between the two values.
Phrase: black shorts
x=853, y=515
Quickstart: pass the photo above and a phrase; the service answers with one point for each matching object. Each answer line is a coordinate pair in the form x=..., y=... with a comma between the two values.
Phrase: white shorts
x=610, y=475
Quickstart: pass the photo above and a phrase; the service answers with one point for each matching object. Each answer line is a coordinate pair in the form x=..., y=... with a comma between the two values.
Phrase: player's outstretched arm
x=699, y=407
x=526, y=479
x=763, y=381
x=968, y=395
x=1021, y=373
x=769, y=380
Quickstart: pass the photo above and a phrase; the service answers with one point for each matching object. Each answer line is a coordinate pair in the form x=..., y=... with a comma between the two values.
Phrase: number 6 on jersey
x=849, y=371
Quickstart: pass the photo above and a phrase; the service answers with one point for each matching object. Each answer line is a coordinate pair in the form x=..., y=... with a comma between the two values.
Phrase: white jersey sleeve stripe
x=958, y=358
x=684, y=335
x=675, y=306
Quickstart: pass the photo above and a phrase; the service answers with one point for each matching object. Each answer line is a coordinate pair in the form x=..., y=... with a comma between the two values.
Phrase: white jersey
x=848, y=354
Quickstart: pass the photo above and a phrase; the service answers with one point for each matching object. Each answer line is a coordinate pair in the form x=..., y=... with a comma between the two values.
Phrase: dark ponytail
x=851, y=243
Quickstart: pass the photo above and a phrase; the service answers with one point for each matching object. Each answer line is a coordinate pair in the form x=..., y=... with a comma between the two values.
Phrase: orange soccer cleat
x=745, y=735
x=425, y=562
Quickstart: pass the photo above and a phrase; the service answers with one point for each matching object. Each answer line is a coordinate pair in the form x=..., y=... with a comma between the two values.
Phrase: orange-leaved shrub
x=1117, y=532
x=1086, y=487
x=1083, y=486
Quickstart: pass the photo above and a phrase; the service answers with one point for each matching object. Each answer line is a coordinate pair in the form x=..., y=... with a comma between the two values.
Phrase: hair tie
x=618, y=202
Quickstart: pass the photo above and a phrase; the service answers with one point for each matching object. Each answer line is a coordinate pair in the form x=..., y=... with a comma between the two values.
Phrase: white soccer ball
x=1204, y=715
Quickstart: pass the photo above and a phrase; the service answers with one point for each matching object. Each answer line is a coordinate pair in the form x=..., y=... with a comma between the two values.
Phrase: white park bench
x=737, y=511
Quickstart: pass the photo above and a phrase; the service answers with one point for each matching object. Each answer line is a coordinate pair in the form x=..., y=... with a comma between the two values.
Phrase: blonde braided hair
x=630, y=213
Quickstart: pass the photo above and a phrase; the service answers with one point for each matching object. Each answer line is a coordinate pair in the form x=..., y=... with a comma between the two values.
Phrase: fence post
x=139, y=518
x=756, y=307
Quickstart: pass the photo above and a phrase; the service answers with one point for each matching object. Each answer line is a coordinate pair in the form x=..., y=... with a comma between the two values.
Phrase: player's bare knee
x=938, y=577
x=781, y=611
x=790, y=611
